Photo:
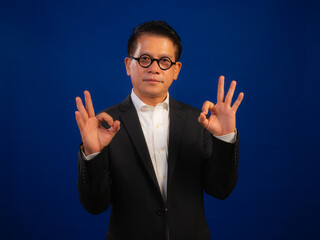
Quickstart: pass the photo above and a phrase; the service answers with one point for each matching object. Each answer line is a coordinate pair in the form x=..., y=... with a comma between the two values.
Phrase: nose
x=154, y=68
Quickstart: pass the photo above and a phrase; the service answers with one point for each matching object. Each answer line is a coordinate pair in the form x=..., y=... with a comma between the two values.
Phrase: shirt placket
x=159, y=148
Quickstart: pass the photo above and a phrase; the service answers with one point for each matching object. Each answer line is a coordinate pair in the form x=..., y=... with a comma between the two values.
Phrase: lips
x=152, y=80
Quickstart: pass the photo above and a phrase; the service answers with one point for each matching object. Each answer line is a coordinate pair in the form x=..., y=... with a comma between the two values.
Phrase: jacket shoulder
x=116, y=109
x=184, y=106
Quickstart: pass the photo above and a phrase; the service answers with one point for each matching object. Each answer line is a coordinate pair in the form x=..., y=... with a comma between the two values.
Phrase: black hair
x=156, y=28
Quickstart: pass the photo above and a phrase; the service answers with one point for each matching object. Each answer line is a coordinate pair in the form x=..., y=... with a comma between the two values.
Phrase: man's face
x=152, y=83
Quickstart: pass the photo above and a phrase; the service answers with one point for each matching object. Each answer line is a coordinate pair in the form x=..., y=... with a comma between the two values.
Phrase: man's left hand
x=223, y=117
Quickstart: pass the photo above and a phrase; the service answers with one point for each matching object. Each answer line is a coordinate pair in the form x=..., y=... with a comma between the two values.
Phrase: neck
x=151, y=101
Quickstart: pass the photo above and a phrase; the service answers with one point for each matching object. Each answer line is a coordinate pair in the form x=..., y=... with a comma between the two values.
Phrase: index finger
x=89, y=106
x=220, y=94
x=206, y=106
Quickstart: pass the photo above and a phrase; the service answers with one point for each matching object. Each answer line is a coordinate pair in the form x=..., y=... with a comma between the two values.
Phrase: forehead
x=155, y=45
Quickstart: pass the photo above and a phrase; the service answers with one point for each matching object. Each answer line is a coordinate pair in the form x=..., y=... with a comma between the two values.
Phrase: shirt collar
x=140, y=105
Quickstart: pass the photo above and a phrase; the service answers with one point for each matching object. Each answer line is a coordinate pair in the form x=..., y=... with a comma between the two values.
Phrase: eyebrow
x=160, y=56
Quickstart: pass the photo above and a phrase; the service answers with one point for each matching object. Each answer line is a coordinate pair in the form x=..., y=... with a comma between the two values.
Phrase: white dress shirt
x=155, y=126
x=155, y=123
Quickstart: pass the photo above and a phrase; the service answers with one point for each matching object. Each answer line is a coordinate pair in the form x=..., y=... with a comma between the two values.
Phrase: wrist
x=87, y=151
x=223, y=133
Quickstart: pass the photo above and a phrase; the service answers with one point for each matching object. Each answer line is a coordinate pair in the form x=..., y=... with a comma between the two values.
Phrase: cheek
x=134, y=68
x=170, y=76
x=136, y=75
x=134, y=72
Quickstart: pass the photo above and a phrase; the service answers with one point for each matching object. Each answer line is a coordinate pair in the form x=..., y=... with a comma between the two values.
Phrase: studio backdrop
x=51, y=51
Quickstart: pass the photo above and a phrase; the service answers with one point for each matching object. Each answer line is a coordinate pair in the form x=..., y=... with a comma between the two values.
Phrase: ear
x=127, y=62
x=177, y=70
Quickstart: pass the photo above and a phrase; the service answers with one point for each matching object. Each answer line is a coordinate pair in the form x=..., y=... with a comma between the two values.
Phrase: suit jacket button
x=162, y=211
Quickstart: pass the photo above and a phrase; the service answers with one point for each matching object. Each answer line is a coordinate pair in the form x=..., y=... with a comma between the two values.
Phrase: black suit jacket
x=122, y=176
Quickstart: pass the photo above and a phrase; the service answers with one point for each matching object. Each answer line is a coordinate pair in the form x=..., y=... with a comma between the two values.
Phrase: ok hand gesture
x=223, y=117
x=94, y=136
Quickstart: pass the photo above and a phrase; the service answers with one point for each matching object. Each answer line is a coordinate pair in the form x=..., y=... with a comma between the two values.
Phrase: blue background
x=51, y=51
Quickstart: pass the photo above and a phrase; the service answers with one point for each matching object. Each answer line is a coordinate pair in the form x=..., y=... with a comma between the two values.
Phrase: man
x=154, y=168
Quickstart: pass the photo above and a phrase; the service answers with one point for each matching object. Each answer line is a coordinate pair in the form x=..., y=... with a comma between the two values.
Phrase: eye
x=165, y=60
x=144, y=58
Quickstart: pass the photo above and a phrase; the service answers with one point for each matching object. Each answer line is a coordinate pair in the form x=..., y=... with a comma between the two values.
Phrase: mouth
x=152, y=80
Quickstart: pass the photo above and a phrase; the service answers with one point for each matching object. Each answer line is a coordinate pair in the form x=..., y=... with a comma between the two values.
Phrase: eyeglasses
x=145, y=61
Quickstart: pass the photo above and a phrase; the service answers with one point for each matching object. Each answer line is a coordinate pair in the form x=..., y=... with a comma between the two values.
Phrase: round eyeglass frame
x=152, y=60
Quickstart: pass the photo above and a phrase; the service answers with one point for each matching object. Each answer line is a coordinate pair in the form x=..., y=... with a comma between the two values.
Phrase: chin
x=153, y=92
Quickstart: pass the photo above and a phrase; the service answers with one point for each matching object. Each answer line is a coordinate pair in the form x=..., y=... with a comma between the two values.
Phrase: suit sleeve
x=221, y=166
x=94, y=182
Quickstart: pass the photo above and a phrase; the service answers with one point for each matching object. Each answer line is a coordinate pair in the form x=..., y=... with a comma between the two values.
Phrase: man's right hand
x=94, y=136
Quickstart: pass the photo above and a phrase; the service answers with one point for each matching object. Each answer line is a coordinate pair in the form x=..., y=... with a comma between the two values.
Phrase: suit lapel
x=177, y=122
x=131, y=122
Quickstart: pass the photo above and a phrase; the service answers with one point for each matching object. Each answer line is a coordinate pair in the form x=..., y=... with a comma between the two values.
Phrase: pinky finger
x=238, y=102
x=79, y=121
